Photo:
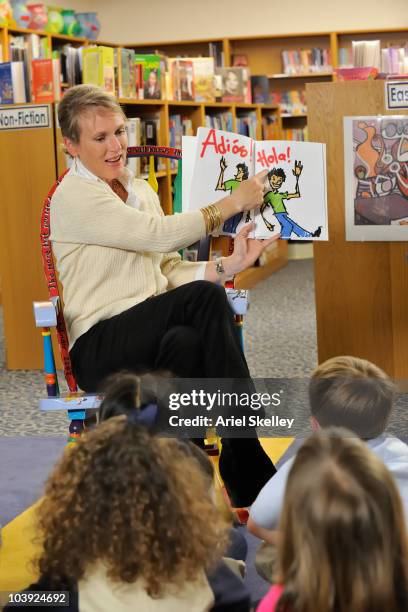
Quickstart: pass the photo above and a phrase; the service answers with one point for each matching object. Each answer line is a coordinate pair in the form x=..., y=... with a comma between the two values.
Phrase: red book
x=42, y=80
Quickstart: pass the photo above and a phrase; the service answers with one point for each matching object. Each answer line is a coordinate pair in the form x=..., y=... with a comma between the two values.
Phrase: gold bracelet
x=206, y=220
x=212, y=217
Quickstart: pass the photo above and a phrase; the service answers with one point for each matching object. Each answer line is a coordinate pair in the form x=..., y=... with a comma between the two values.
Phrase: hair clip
x=146, y=415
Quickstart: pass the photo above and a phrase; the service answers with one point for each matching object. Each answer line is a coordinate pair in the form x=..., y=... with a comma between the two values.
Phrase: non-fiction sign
x=25, y=117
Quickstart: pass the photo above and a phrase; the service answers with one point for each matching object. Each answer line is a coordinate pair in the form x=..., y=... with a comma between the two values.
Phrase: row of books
x=298, y=134
x=179, y=126
x=143, y=132
x=246, y=125
x=37, y=82
x=292, y=102
x=270, y=128
x=153, y=76
x=391, y=60
x=145, y=76
x=35, y=46
x=220, y=121
x=303, y=61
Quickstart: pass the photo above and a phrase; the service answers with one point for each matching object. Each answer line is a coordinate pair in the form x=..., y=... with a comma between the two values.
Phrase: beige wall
x=160, y=20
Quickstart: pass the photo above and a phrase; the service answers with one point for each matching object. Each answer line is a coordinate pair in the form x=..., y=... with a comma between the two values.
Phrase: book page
x=295, y=200
x=222, y=161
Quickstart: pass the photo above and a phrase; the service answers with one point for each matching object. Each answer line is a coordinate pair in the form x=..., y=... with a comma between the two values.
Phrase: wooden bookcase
x=264, y=56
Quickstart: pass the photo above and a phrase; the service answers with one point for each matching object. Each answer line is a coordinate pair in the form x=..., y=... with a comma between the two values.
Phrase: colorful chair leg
x=50, y=372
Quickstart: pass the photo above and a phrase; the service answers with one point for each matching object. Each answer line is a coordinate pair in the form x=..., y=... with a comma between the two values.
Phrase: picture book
x=128, y=84
x=133, y=130
x=152, y=74
x=234, y=83
x=42, y=80
x=98, y=67
x=6, y=84
x=12, y=83
x=294, y=204
x=182, y=78
x=260, y=89
x=203, y=78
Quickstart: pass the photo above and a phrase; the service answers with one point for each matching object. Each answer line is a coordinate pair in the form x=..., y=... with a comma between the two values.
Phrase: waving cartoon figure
x=275, y=199
x=242, y=174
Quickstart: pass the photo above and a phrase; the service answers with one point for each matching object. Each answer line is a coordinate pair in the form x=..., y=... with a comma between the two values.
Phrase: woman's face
x=231, y=82
x=102, y=143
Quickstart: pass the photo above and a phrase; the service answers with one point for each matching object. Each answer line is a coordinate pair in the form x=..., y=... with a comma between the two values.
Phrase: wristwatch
x=219, y=266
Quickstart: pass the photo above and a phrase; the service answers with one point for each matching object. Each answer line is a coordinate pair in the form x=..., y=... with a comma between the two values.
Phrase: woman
x=124, y=526
x=130, y=302
x=344, y=542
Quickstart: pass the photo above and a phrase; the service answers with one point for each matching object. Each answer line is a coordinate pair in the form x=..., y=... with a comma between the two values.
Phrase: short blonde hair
x=79, y=100
x=353, y=393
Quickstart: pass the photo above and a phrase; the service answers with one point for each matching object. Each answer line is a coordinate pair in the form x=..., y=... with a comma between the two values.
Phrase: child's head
x=129, y=394
x=133, y=501
x=344, y=542
x=353, y=393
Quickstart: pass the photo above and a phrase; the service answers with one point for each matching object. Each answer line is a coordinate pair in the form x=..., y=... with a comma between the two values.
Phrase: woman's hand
x=246, y=250
x=250, y=193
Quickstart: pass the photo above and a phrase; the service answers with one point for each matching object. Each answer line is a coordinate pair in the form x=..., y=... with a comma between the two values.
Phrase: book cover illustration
x=376, y=177
x=183, y=79
x=128, y=84
x=152, y=74
x=98, y=67
x=203, y=78
x=233, y=83
x=42, y=80
x=12, y=83
x=260, y=89
x=6, y=84
x=294, y=204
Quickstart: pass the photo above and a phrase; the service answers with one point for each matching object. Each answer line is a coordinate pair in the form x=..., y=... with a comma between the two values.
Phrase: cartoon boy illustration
x=274, y=198
x=242, y=174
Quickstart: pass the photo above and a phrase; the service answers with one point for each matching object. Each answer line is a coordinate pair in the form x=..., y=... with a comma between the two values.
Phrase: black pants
x=190, y=332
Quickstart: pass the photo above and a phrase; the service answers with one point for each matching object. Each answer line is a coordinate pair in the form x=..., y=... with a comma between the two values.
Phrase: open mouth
x=114, y=160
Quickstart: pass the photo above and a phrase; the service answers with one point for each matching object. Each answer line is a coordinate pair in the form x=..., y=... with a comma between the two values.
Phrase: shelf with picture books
x=386, y=52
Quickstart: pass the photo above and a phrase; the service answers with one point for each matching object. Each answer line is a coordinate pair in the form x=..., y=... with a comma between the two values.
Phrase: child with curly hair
x=344, y=544
x=124, y=526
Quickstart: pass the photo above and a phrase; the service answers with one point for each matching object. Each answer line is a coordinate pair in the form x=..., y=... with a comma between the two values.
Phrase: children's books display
x=294, y=202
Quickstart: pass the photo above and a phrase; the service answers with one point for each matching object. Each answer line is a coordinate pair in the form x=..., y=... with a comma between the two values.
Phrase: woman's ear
x=70, y=147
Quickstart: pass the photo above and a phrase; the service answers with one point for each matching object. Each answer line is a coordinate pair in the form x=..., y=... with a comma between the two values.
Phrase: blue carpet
x=25, y=464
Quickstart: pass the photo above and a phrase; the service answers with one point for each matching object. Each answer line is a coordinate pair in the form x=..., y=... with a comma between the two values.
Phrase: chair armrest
x=238, y=300
x=45, y=314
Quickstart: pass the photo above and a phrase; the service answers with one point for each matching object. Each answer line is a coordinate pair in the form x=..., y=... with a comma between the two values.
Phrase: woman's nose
x=115, y=144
